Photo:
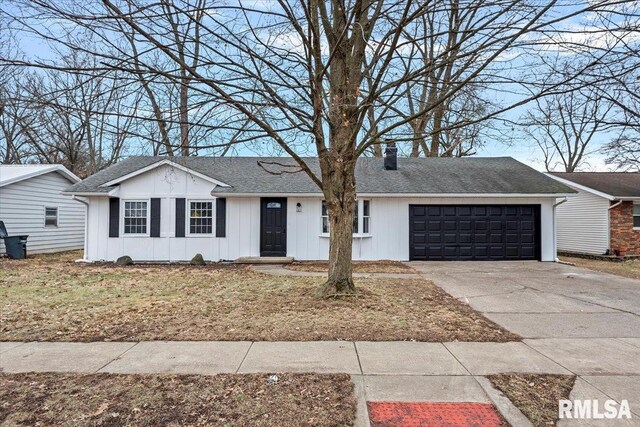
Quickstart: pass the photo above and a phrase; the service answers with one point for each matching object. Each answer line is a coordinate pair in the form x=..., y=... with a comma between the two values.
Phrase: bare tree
x=564, y=126
x=330, y=76
x=613, y=79
x=15, y=117
x=624, y=152
x=71, y=119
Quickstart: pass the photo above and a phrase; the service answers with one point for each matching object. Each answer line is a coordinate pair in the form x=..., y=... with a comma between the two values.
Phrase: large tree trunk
x=340, y=280
x=340, y=195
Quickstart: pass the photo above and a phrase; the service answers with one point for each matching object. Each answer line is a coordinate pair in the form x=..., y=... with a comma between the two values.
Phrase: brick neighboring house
x=604, y=217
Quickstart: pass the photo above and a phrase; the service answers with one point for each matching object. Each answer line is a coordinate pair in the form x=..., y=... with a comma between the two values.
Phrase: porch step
x=264, y=260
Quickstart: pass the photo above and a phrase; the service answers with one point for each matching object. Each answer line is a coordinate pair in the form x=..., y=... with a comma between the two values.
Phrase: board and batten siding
x=389, y=226
x=388, y=237
x=583, y=224
x=167, y=183
x=22, y=206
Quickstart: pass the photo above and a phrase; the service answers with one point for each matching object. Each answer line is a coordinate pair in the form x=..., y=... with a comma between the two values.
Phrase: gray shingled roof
x=472, y=175
x=616, y=184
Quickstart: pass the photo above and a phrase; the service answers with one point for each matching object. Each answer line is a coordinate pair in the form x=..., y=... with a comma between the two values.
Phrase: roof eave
x=581, y=187
x=401, y=195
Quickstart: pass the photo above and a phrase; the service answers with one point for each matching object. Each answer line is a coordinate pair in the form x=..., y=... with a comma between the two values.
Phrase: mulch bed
x=535, y=395
x=229, y=400
x=384, y=266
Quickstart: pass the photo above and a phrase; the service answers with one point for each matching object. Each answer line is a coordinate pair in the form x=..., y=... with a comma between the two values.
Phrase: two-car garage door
x=474, y=232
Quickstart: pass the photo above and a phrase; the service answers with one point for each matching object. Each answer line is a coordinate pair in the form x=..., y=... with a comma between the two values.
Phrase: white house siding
x=167, y=183
x=22, y=210
x=583, y=224
x=389, y=229
x=388, y=239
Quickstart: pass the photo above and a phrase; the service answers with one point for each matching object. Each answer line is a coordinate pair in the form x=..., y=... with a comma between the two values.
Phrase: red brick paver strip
x=429, y=414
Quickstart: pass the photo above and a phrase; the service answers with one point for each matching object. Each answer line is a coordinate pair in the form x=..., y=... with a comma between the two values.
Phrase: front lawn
x=52, y=399
x=535, y=395
x=51, y=298
x=629, y=268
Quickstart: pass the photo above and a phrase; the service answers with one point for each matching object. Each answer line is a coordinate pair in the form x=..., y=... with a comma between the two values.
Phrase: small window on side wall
x=50, y=217
x=636, y=215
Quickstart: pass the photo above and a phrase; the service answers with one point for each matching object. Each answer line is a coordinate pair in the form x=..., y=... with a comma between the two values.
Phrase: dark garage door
x=474, y=232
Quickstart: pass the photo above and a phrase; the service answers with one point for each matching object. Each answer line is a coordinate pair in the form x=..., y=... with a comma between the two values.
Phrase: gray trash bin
x=16, y=246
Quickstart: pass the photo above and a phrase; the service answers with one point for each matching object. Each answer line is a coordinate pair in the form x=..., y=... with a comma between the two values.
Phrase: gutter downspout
x=86, y=227
x=555, y=229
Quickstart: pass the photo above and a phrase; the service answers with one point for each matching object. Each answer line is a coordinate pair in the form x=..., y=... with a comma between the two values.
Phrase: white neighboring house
x=169, y=209
x=32, y=203
x=604, y=217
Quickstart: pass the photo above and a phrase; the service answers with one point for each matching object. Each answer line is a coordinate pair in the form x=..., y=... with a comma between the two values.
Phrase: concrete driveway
x=544, y=300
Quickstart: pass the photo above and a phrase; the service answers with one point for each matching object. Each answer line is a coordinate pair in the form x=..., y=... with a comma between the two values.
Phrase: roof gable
x=10, y=174
x=165, y=162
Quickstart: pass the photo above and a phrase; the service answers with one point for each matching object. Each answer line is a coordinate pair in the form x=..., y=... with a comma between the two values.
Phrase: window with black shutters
x=135, y=217
x=200, y=217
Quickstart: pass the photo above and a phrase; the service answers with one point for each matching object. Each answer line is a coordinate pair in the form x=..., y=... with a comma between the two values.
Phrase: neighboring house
x=604, y=216
x=31, y=203
x=169, y=209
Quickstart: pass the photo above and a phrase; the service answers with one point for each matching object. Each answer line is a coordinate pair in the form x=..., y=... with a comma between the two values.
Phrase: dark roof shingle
x=472, y=175
x=616, y=184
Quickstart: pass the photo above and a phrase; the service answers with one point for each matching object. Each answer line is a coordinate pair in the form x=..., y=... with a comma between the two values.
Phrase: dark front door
x=474, y=232
x=273, y=227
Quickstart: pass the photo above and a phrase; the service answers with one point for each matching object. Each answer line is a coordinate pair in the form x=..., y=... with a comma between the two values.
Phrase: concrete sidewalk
x=381, y=371
x=601, y=356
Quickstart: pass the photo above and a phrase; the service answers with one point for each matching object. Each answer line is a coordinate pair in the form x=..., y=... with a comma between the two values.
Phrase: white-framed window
x=325, y=217
x=50, y=217
x=366, y=216
x=136, y=216
x=363, y=206
x=200, y=217
x=636, y=215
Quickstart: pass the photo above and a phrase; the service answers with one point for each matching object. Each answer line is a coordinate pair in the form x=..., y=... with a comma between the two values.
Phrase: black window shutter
x=114, y=216
x=180, y=211
x=221, y=217
x=155, y=218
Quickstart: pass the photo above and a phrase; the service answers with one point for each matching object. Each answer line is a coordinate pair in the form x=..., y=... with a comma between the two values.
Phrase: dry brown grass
x=385, y=266
x=536, y=396
x=629, y=268
x=54, y=299
x=189, y=400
